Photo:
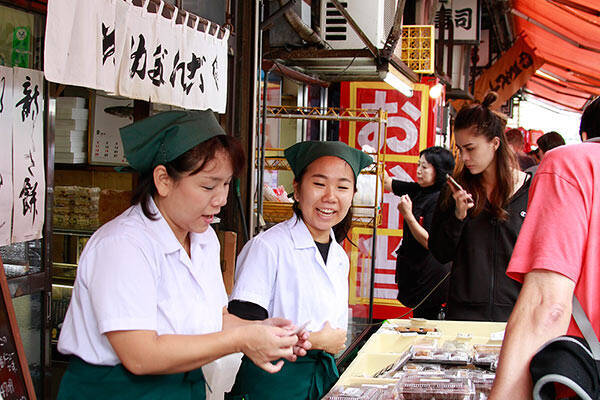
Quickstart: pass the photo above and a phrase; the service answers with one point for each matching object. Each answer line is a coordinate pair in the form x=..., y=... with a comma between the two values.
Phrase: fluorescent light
x=398, y=83
x=546, y=75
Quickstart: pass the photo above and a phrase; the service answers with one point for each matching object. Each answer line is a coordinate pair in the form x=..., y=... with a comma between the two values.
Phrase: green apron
x=309, y=378
x=91, y=382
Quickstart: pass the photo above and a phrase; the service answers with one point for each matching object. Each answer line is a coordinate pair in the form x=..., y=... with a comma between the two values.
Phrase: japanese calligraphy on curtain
x=138, y=54
x=22, y=180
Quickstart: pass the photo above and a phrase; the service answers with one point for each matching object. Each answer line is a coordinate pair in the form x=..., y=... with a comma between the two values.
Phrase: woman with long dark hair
x=476, y=226
x=420, y=277
x=298, y=270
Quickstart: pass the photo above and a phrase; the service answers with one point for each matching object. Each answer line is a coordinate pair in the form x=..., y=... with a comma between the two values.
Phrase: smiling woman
x=148, y=306
x=298, y=270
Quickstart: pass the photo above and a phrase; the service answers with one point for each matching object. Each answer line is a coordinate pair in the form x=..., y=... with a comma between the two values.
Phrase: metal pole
x=261, y=163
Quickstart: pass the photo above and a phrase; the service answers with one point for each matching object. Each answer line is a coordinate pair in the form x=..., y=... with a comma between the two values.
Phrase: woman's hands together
x=263, y=343
x=302, y=345
x=329, y=339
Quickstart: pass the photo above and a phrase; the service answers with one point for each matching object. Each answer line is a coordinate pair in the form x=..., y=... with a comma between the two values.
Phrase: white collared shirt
x=282, y=271
x=134, y=275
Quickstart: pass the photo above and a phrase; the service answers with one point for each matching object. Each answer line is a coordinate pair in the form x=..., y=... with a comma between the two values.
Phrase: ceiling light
x=398, y=82
x=436, y=91
x=546, y=75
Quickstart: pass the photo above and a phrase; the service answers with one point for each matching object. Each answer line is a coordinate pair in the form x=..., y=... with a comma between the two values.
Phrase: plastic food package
x=434, y=387
x=483, y=381
x=486, y=355
x=422, y=367
x=362, y=391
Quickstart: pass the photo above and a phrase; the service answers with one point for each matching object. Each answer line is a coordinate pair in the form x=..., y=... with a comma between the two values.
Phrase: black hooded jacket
x=480, y=248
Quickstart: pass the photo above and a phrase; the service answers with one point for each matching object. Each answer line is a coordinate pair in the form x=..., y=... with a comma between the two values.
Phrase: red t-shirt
x=561, y=232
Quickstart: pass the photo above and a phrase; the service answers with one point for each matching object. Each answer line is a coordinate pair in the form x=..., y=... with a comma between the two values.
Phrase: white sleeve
x=122, y=285
x=256, y=270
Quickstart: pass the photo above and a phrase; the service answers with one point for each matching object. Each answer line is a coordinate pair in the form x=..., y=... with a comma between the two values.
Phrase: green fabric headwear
x=163, y=137
x=301, y=154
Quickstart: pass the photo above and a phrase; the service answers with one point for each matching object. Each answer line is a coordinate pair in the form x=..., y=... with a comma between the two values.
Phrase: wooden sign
x=15, y=381
x=509, y=73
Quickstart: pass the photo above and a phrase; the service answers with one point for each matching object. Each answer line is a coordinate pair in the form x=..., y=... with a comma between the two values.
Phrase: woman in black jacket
x=417, y=272
x=476, y=227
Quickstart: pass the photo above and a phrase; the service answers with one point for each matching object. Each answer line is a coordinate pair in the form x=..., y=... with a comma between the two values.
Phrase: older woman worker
x=422, y=280
x=298, y=270
x=148, y=305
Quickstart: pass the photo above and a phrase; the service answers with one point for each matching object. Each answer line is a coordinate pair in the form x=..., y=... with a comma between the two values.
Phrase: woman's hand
x=387, y=181
x=329, y=339
x=302, y=345
x=405, y=206
x=263, y=344
x=464, y=202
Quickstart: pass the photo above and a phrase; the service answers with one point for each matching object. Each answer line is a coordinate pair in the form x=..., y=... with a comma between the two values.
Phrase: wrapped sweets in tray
x=362, y=391
x=452, y=353
x=435, y=387
x=486, y=355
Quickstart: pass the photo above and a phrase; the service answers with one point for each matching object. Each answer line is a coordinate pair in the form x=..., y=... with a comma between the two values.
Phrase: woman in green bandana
x=148, y=306
x=298, y=270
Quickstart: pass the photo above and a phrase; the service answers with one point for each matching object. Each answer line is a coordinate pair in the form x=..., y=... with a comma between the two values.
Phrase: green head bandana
x=165, y=136
x=301, y=154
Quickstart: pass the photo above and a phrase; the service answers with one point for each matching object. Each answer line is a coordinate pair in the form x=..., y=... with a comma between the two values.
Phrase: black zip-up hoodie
x=480, y=248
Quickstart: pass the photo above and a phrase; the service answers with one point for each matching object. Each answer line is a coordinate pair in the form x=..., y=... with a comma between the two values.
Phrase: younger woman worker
x=476, y=228
x=298, y=270
x=418, y=274
x=148, y=306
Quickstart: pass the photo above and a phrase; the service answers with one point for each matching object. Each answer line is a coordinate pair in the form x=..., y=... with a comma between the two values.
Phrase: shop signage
x=465, y=17
x=22, y=180
x=509, y=73
x=408, y=133
x=121, y=48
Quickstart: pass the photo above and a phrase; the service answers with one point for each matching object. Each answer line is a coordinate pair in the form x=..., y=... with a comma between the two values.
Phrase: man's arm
x=542, y=312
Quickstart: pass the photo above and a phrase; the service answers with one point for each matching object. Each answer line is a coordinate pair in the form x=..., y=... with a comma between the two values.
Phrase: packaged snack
x=421, y=330
x=421, y=367
x=419, y=387
x=362, y=391
x=486, y=355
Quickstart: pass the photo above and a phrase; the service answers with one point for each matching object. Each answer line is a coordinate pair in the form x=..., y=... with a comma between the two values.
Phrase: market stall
x=421, y=359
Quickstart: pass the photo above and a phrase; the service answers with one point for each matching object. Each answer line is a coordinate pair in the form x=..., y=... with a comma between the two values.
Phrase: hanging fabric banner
x=29, y=182
x=6, y=187
x=137, y=53
x=509, y=73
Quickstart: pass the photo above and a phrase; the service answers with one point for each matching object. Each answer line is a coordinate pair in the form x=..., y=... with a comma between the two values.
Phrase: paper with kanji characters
x=29, y=182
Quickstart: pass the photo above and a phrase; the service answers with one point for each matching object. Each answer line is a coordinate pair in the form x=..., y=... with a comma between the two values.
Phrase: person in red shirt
x=556, y=256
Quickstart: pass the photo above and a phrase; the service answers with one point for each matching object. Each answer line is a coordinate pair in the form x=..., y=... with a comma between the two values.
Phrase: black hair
x=590, y=120
x=550, y=140
x=442, y=161
x=189, y=163
x=341, y=229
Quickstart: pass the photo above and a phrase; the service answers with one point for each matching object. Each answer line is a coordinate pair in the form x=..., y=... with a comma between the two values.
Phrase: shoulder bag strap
x=586, y=329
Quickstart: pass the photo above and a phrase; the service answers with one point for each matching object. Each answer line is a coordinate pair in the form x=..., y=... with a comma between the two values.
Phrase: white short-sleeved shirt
x=282, y=271
x=134, y=275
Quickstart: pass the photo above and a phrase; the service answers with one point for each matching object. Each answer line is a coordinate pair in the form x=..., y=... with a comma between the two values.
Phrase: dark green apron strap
x=326, y=375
